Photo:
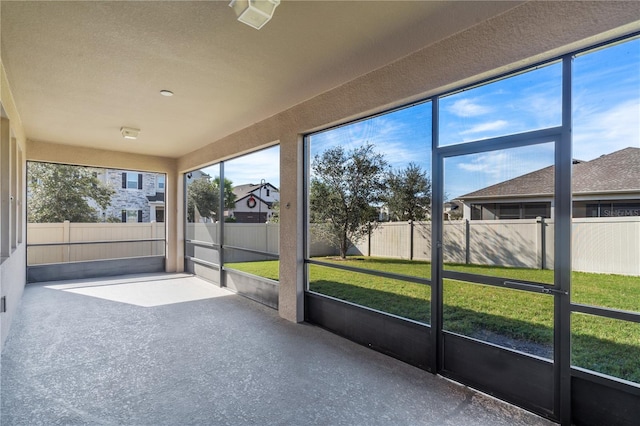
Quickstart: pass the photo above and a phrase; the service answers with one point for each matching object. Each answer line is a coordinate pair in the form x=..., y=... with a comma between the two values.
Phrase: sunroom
x=306, y=165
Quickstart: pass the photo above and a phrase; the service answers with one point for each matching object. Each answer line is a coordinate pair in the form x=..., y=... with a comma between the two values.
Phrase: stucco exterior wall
x=12, y=267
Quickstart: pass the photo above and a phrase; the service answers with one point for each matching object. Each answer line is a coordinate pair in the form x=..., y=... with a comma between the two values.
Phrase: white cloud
x=543, y=110
x=399, y=155
x=468, y=108
x=597, y=132
x=254, y=167
x=398, y=140
x=486, y=127
x=475, y=171
x=490, y=163
x=251, y=168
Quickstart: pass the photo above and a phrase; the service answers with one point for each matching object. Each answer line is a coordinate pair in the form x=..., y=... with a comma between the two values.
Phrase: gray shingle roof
x=242, y=191
x=615, y=172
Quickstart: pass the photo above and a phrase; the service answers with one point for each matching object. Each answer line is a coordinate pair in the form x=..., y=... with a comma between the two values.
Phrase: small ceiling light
x=129, y=133
x=166, y=92
x=254, y=13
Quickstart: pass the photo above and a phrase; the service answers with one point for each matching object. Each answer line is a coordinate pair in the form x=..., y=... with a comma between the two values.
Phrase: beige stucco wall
x=12, y=269
x=527, y=34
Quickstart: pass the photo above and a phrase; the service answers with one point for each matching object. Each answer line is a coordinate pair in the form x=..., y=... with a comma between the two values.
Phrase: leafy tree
x=409, y=193
x=204, y=197
x=59, y=192
x=344, y=187
x=229, y=196
x=275, y=215
x=201, y=198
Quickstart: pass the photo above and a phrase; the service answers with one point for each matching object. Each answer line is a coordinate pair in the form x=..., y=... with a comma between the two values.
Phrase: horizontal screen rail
x=76, y=243
x=264, y=253
x=502, y=282
x=202, y=262
x=532, y=287
x=203, y=243
x=373, y=272
x=606, y=312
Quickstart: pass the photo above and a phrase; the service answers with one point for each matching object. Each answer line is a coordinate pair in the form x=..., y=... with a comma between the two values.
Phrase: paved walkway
x=176, y=350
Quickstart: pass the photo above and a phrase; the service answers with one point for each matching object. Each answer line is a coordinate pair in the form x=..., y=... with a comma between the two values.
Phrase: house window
x=606, y=209
x=621, y=209
x=131, y=216
x=476, y=212
x=593, y=210
x=508, y=211
x=160, y=183
x=132, y=180
x=483, y=211
x=534, y=210
x=491, y=211
x=159, y=214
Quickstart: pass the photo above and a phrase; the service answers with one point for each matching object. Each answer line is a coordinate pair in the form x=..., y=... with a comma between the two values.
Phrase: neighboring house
x=384, y=216
x=196, y=174
x=383, y=213
x=254, y=203
x=453, y=210
x=608, y=186
x=139, y=196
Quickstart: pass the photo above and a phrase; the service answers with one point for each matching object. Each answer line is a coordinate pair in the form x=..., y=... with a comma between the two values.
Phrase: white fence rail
x=601, y=245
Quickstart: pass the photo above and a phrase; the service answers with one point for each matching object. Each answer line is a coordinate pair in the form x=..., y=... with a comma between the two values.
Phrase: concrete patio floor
x=175, y=350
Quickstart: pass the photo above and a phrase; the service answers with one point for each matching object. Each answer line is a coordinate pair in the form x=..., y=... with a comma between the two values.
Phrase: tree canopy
x=59, y=192
x=275, y=215
x=345, y=187
x=204, y=198
x=409, y=194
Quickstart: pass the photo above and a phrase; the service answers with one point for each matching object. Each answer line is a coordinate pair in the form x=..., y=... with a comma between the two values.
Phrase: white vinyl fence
x=245, y=242
x=56, y=242
x=607, y=245
x=262, y=237
x=601, y=245
x=519, y=243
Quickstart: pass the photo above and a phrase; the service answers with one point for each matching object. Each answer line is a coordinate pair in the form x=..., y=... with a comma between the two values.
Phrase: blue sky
x=606, y=118
x=252, y=168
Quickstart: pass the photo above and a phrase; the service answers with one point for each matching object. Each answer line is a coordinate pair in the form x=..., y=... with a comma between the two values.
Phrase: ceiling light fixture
x=129, y=133
x=165, y=92
x=254, y=13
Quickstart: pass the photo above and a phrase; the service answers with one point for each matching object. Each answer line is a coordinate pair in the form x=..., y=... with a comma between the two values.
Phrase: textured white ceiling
x=81, y=70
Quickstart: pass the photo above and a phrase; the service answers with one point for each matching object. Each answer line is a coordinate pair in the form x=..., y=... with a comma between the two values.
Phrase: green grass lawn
x=519, y=319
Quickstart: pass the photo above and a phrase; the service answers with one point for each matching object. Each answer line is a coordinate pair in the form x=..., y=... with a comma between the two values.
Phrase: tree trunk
x=344, y=246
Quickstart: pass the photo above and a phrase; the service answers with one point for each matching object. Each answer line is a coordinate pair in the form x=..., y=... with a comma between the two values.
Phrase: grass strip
x=518, y=319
